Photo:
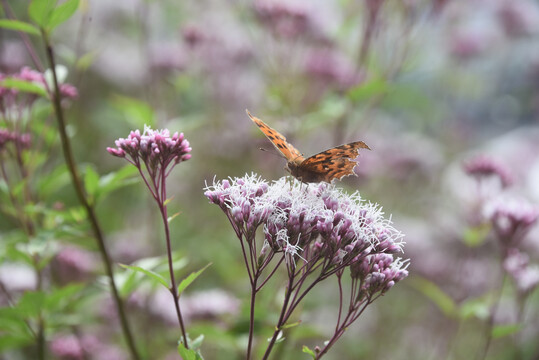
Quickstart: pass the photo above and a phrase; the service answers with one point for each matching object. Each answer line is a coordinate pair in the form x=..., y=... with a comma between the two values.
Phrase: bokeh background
x=428, y=85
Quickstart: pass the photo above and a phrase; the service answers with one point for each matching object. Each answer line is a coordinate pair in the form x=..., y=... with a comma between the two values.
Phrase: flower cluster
x=525, y=276
x=7, y=95
x=318, y=231
x=156, y=149
x=282, y=19
x=482, y=167
x=309, y=223
x=378, y=273
x=21, y=141
x=511, y=218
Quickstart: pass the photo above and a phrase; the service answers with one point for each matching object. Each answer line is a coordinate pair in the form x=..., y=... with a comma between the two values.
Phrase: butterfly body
x=333, y=163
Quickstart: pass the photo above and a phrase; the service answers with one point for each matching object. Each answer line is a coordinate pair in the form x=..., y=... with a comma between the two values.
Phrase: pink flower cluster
x=153, y=148
x=38, y=78
x=21, y=141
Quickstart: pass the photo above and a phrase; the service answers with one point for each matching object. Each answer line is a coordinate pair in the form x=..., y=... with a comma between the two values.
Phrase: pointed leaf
x=437, y=295
x=24, y=86
x=306, y=350
x=91, y=182
x=62, y=13
x=189, y=279
x=150, y=273
x=286, y=326
x=40, y=11
x=505, y=330
x=170, y=218
x=19, y=26
x=188, y=354
x=137, y=112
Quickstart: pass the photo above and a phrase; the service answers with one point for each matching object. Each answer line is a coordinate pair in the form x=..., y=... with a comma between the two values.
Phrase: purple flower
x=511, y=218
x=156, y=149
x=482, y=167
x=315, y=231
x=519, y=18
x=73, y=264
x=282, y=19
x=525, y=276
x=67, y=348
x=306, y=223
x=21, y=141
x=331, y=67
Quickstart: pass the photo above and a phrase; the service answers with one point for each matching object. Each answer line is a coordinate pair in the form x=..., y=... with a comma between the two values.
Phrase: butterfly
x=331, y=164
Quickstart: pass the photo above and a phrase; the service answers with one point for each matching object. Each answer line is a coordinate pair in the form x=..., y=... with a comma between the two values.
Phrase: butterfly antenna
x=270, y=151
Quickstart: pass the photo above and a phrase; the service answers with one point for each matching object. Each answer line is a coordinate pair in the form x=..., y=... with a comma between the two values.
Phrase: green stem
x=77, y=183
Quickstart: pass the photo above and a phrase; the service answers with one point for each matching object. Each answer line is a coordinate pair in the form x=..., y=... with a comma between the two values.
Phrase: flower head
x=511, y=218
x=517, y=265
x=154, y=148
x=482, y=167
x=305, y=222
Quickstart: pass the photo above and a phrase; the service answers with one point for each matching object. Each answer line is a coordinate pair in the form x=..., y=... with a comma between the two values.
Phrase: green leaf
x=63, y=297
x=188, y=354
x=62, y=13
x=368, y=90
x=197, y=343
x=40, y=11
x=91, y=183
x=116, y=180
x=306, y=350
x=436, y=295
x=14, y=341
x=189, y=279
x=86, y=60
x=24, y=86
x=478, y=308
x=150, y=273
x=52, y=181
x=287, y=326
x=137, y=112
x=476, y=236
x=31, y=303
x=19, y=26
x=170, y=218
x=505, y=330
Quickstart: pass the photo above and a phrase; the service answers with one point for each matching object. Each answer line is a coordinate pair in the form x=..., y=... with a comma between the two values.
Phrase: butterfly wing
x=331, y=164
x=278, y=140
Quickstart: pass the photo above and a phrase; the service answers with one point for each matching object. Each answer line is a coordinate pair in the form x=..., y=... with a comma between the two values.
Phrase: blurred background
x=428, y=85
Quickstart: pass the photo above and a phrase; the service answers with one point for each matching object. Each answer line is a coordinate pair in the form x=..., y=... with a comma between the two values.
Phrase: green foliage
x=19, y=26
x=500, y=331
x=24, y=86
x=188, y=354
x=160, y=279
x=136, y=112
x=308, y=351
x=155, y=268
x=189, y=279
x=443, y=301
x=47, y=15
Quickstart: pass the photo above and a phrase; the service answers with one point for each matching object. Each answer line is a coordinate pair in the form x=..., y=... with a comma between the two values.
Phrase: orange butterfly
x=331, y=164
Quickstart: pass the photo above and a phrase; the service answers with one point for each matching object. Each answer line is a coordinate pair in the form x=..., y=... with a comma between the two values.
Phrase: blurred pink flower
x=73, y=264
x=67, y=347
x=517, y=265
x=512, y=218
x=282, y=18
x=203, y=305
x=519, y=17
x=468, y=43
x=484, y=167
x=332, y=68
